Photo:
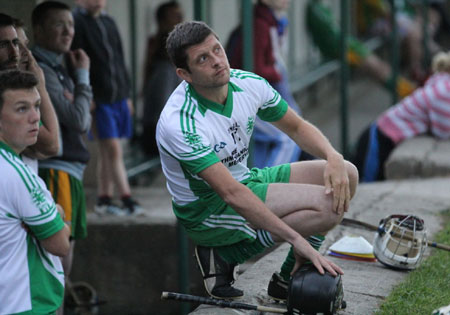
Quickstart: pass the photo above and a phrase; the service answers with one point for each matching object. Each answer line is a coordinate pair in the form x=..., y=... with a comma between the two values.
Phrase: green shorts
x=225, y=229
x=68, y=192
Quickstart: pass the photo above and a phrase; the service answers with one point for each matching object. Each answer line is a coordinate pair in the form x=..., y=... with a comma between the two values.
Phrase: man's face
x=56, y=33
x=9, y=48
x=208, y=64
x=94, y=7
x=19, y=118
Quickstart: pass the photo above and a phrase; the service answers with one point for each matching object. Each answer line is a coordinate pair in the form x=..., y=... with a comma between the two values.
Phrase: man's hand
x=337, y=182
x=79, y=59
x=36, y=69
x=304, y=251
x=61, y=212
x=68, y=95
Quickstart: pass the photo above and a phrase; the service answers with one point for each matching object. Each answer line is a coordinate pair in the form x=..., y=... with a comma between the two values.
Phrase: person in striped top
x=230, y=211
x=427, y=110
x=32, y=231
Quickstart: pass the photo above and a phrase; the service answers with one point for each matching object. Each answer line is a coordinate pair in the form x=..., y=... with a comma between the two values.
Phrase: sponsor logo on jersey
x=220, y=146
x=233, y=132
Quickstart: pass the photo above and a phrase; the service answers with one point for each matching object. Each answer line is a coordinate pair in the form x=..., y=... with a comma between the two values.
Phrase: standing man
x=97, y=34
x=160, y=78
x=71, y=95
x=32, y=232
x=231, y=212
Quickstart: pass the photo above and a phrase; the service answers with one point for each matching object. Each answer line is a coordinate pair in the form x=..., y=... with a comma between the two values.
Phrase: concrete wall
x=130, y=263
x=420, y=157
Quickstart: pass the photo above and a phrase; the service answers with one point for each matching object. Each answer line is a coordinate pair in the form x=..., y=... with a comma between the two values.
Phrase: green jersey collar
x=7, y=148
x=205, y=104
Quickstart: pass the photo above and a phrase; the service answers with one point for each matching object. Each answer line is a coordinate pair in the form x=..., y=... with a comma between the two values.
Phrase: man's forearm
x=313, y=141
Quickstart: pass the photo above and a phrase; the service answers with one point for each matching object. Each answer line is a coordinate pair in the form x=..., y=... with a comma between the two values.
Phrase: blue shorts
x=113, y=120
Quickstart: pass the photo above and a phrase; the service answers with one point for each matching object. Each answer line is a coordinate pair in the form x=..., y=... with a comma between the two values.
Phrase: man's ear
x=184, y=74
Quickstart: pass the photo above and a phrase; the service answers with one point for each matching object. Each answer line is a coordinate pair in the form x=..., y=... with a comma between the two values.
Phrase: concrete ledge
x=365, y=284
x=131, y=260
x=130, y=263
x=422, y=156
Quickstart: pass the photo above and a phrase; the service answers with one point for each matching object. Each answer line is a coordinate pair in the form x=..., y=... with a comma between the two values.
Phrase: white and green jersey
x=193, y=133
x=31, y=279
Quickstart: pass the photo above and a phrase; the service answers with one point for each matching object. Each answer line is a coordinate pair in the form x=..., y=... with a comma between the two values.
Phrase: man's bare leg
x=304, y=205
x=112, y=170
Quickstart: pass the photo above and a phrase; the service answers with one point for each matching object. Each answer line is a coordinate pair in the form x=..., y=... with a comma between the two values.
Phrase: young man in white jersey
x=233, y=213
x=32, y=232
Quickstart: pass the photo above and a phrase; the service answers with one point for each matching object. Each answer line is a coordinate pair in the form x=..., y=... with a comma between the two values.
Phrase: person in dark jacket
x=97, y=34
x=160, y=78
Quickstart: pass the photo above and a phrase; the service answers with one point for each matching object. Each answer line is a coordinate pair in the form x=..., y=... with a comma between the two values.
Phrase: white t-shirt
x=30, y=277
x=193, y=133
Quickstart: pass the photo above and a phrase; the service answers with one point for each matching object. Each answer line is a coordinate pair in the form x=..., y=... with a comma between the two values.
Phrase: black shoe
x=218, y=275
x=278, y=288
x=131, y=207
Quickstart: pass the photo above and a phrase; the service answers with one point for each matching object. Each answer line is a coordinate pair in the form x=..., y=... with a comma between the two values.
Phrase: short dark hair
x=6, y=20
x=16, y=80
x=39, y=14
x=161, y=12
x=18, y=23
x=183, y=36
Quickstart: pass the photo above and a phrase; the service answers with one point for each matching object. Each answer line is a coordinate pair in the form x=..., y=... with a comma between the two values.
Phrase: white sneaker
x=132, y=208
x=109, y=209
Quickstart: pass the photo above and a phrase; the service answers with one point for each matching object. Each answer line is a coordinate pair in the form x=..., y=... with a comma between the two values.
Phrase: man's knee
x=111, y=148
x=330, y=219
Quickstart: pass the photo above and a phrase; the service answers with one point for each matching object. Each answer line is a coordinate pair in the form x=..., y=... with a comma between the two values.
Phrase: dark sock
x=102, y=200
x=127, y=201
x=288, y=265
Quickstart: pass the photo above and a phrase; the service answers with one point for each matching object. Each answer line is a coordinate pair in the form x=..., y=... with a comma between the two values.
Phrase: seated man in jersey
x=230, y=211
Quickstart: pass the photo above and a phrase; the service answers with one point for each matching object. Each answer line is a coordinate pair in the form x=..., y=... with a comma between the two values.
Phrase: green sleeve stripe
x=15, y=167
x=29, y=176
x=244, y=74
x=187, y=112
x=181, y=115
x=180, y=161
x=274, y=113
x=185, y=115
x=42, y=216
x=10, y=215
x=274, y=100
x=195, y=152
x=198, y=165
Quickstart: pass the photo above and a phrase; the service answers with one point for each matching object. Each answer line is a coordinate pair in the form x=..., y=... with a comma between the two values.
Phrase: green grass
x=426, y=288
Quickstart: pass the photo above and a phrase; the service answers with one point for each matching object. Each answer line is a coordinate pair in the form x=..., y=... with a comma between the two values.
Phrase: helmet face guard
x=400, y=241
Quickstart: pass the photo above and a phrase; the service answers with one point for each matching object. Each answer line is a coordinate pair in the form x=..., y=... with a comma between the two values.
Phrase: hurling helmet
x=400, y=241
